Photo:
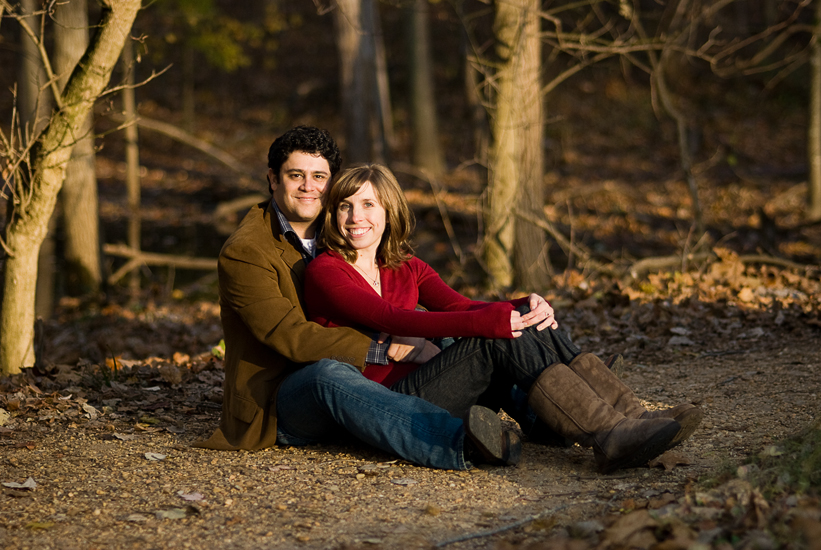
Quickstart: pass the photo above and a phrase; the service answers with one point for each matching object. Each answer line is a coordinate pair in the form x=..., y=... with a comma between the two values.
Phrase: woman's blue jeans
x=315, y=401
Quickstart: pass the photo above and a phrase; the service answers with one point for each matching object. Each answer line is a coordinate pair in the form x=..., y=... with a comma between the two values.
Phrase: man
x=291, y=381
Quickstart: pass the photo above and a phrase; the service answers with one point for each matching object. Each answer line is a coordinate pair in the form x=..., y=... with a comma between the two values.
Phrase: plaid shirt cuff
x=378, y=353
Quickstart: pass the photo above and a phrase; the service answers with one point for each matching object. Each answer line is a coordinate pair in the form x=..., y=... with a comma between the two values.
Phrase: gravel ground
x=113, y=467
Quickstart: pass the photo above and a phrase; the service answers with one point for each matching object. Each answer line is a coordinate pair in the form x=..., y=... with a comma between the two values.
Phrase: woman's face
x=361, y=220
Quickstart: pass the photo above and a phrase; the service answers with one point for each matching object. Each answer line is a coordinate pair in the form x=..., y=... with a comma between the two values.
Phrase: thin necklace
x=374, y=281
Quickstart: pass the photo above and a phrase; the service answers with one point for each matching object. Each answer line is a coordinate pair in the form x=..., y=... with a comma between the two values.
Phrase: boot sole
x=484, y=428
x=689, y=421
x=651, y=448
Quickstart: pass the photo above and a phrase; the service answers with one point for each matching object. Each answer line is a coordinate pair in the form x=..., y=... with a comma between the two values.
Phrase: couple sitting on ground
x=296, y=379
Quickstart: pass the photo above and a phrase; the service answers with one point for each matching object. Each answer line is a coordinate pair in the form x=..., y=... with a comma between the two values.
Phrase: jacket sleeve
x=262, y=291
x=332, y=294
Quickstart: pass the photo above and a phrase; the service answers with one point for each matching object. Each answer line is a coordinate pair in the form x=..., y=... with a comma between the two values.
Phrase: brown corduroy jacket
x=266, y=333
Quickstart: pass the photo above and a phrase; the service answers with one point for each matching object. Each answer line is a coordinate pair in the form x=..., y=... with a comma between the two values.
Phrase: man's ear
x=272, y=180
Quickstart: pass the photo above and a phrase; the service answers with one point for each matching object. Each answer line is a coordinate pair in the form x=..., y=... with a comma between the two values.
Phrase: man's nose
x=311, y=183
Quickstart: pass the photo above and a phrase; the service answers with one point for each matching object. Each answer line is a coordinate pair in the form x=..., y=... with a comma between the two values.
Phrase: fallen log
x=138, y=258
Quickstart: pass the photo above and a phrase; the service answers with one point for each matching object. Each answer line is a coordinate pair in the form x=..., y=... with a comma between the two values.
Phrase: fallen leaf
x=432, y=510
x=171, y=374
x=662, y=500
x=669, y=460
x=404, y=481
x=192, y=497
x=746, y=295
x=4, y=417
x=90, y=411
x=155, y=456
x=174, y=513
x=634, y=530
x=680, y=341
x=29, y=484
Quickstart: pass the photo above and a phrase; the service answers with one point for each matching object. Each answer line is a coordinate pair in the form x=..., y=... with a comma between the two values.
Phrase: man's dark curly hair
x=306, y=139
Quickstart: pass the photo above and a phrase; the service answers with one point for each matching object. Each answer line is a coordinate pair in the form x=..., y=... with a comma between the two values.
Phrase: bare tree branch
x=138, y=257
x=52, y=80
x=184, y=137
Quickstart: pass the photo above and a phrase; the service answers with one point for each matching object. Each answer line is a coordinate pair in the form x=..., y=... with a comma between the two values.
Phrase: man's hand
x=410, y=350
x=540, y=314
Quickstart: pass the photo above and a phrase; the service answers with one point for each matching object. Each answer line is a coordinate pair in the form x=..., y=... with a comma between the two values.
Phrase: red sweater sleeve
x=436, y=295
x=336, y=294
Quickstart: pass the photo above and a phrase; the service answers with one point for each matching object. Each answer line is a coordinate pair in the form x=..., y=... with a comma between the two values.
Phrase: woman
x=368, y=278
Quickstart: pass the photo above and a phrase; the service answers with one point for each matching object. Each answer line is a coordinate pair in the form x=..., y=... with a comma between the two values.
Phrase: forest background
x=633, y=161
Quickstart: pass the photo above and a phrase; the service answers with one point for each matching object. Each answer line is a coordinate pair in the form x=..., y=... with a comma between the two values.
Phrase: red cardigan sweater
x=337, y=295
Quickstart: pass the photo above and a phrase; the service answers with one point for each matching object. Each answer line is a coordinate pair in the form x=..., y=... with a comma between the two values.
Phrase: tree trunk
x=427, y=151
x=814, y=134
x=188, y=96
x=33, y=105
x=530, y=254
x=132, y=163
x=384, y=138
x=83, y=273
x=27, y=226
x=365, y=105
x=476, y=106
x=513, y=247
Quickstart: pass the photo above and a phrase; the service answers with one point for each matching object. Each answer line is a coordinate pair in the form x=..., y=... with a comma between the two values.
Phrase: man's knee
x=328, y=374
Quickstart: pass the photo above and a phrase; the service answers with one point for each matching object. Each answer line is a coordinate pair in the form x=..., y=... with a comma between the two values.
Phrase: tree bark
x=814, y=130
x=365, y=105
x=33, y=106
x=512, y=250
x=83, y=273
x=427, y=151
x=27, y=226
x=132, y=163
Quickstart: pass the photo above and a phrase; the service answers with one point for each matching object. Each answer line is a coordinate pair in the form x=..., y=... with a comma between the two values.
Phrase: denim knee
x=329, y=370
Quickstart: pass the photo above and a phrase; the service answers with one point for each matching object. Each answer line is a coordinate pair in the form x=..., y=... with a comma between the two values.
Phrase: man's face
x=299, y=189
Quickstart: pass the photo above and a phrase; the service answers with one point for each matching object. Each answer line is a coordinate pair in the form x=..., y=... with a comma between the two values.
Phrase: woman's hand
x=540, y=314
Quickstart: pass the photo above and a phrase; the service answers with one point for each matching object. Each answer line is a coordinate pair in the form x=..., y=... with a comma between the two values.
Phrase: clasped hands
x=420, y=350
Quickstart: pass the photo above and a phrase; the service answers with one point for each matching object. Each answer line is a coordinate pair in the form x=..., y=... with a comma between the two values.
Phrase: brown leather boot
x=569, y=406
x=612, y=390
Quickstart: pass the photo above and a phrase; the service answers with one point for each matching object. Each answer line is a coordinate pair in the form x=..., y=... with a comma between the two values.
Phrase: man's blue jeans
x=315, y=401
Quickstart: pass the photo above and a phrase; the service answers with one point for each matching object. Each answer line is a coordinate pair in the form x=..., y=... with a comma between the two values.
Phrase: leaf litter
x=751, y=367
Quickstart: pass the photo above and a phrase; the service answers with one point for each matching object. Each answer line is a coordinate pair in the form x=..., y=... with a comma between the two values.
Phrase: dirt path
x=98, y=488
